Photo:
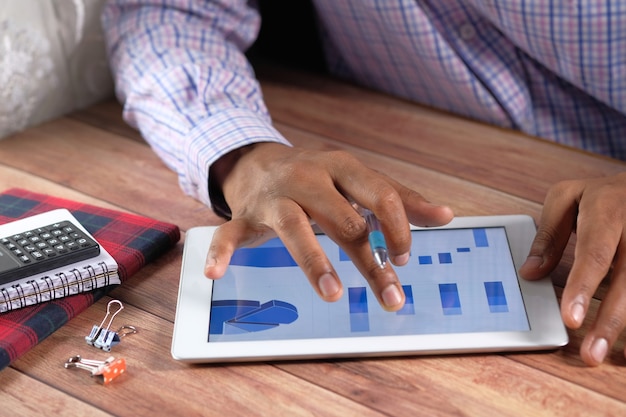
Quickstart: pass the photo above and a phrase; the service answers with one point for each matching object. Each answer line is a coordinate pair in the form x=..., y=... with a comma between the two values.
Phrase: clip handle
x=104, y=371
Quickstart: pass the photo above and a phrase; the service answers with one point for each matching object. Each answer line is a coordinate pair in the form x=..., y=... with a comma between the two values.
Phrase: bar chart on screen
x=456, y=280
x=438, y=275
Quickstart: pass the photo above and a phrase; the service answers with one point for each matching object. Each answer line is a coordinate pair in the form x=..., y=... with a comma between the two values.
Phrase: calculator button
x=60, y=248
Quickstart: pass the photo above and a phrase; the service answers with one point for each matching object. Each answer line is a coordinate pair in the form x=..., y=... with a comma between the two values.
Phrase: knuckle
x=342, y=156
x=545, y=239
x=563, y=188
x=600, y=256
x=311, y=260
x=288, y=220
x=351, y=229
x=613, y=325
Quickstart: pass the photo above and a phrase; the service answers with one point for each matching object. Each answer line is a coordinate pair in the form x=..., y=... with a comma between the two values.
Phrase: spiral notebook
x=51, y=284
x=131, y=241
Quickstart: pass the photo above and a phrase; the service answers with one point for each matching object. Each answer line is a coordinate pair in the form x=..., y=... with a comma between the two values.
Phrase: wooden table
x=92, y=156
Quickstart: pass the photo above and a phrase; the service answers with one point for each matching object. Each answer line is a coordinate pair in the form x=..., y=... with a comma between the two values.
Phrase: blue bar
x=496, y=297
x=480, y=238
x=445, y=258
x=263, y=257
x=409, y=306
x=343, y=256
x=450, y=301
x=359, y=318
x=462, y=249
x=425, y=260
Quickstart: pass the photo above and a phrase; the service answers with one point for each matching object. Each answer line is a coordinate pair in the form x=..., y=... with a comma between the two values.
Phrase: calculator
x=40, y=249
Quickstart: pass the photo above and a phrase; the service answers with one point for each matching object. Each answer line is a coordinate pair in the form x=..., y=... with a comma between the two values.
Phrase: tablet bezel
x=189, y=342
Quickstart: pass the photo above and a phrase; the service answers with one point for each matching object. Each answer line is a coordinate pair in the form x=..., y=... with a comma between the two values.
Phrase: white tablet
x=463, y=294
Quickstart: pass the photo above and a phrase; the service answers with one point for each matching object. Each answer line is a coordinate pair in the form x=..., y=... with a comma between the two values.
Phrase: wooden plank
x=89, y=160
x=25, y=396
x=565, y=363
x=156, y=383
x=479, y=385
x=107, y=116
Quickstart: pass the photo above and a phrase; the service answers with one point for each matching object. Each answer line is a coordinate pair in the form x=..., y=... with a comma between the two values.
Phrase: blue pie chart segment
x=242, y=316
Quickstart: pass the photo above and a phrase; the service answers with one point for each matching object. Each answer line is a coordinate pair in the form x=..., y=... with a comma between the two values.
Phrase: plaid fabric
x=132, y=240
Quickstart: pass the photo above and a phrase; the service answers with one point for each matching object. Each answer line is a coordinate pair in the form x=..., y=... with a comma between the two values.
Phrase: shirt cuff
x=213, y=138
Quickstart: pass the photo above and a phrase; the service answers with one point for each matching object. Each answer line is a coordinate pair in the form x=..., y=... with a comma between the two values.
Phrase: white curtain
x=52, y=60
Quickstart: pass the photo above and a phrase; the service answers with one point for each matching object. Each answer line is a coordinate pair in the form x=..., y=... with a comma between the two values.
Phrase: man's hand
x=595, y=210
x=274, y=190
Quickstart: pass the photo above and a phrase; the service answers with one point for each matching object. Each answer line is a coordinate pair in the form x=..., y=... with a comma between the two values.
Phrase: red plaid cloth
x=132, y=240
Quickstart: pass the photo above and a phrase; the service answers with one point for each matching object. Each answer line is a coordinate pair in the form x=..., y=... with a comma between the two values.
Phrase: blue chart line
x=244, y=316
x=271, y=254
x=359, y=317
x=496, y=297
x=450, y=301
x=409, y=305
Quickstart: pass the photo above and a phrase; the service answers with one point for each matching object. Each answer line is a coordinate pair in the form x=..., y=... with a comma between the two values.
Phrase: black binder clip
x=105, y=338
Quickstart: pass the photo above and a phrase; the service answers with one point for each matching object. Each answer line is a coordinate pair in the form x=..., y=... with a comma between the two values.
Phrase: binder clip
x=105, y=338
x=104, y=371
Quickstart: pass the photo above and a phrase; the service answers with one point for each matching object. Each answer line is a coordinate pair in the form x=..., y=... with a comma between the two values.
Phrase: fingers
x=293, y=228
x=610, y=320
x=557, y=222
x=348, y=229
x=274, y=187
x=599, y=231
x=226, y=239
x=594, y=210
x=394, y=205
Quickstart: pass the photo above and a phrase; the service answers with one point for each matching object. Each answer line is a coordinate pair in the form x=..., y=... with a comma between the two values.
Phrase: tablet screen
x=457, y=281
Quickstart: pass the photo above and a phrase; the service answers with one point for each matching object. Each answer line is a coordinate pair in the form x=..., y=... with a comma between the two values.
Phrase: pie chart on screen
x=245, y=316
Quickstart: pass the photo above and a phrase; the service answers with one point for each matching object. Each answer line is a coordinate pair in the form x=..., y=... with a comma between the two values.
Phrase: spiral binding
x=62, y=284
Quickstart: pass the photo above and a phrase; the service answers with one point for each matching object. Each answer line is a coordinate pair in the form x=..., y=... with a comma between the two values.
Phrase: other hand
x=595, y=209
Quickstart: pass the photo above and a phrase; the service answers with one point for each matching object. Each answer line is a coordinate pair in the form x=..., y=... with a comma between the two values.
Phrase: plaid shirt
x=553, y=69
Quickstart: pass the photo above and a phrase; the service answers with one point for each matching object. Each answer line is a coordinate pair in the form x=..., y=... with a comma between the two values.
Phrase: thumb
x=558, y=219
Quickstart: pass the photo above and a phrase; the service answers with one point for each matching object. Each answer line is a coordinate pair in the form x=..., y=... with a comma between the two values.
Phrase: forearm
x=185, y=82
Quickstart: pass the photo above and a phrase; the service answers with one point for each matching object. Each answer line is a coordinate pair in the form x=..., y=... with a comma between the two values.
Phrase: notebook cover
x=132, y=240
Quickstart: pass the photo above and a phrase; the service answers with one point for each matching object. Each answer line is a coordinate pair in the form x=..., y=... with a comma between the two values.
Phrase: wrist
x=219, y=171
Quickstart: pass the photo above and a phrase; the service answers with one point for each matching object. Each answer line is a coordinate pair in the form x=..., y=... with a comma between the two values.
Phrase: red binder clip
x=104, y=371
